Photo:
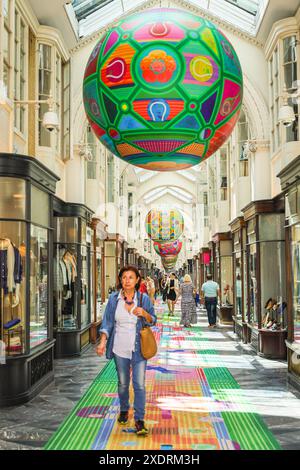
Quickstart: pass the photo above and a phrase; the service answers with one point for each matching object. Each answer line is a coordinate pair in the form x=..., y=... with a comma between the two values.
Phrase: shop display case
x=266, y=314
x=72, y=277
x=238, y=231
x=291, y=187
x=26, y=277
x=113, y=261
x=223, y=275
x=98, y=275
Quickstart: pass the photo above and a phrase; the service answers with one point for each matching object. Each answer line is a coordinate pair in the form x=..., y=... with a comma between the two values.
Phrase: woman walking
x=126, y=312
x=188, y=305
x=172, y=293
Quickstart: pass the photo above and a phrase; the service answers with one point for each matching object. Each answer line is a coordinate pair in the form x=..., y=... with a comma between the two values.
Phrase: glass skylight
x=93, y=15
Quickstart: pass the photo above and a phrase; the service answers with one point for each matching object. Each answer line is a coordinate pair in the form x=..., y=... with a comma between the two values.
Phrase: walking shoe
x=141, y=429
x=123, y=417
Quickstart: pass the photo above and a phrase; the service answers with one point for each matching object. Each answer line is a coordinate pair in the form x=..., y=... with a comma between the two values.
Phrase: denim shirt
x=108, y=325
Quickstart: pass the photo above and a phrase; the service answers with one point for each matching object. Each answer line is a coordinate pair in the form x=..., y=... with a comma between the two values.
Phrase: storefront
x=239, y=260
x=113, y=261
x=204, y=264
x=290, y=185
x=26, y=280
x=223, y=274
x=266, y=314
x=73, y=305
x=98, y=275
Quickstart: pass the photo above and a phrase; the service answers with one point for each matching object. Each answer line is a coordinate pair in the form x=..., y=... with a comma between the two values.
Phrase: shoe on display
x=123, y=417
x=141, y=429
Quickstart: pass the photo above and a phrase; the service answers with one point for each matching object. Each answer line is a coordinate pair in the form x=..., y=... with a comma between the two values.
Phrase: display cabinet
x=266, y=287
x=223, y=275
x=72, y=277
x=98, y=275
x=289, y=179
x=26, y=277
x=238, y=231
x=113, y=261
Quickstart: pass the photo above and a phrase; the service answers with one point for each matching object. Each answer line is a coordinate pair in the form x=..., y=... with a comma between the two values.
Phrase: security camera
x=50, y=121
x=286, y=115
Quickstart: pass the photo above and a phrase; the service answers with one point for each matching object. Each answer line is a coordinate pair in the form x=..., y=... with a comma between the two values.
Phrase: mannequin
x=13, y=286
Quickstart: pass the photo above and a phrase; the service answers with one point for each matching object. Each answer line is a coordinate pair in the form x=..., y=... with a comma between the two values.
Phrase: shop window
x=13, y=198
x=84, y=282
x=39, y=199
x=295, y=249
x=91, y=162
x=38, y=286
x=20, y=67
x=13, y=286
x=65, y=273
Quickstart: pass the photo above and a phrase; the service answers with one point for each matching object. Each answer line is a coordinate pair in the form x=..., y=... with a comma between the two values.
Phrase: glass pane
x=66, y=229
x=289, y=49
x=38, y=286
x=272, y=286
x=99, y=284
x=271, y=227
x=290, y=74
x=110, y=275
x=84, y=287
x=13, y=286
x=110, y=248
x=65, y=292
x=13, y=198
x=296, y=280
x=6, y=43
x=45, y=57
x=238, y=284
x=39, y=199
x=252, y=276
x=44, y=82
x=226, y=280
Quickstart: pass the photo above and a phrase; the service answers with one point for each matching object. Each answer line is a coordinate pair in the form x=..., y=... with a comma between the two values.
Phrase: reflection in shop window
x=38, y=286
x=296, y=279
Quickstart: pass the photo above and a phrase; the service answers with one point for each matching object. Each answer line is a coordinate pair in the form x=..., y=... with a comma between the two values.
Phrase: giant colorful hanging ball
x=168, y=249
x=163, y=89
x=164, y=225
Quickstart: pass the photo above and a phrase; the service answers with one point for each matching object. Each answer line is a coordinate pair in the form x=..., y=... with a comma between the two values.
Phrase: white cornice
x=180, y=3
x=53, y=36
x=281, y=29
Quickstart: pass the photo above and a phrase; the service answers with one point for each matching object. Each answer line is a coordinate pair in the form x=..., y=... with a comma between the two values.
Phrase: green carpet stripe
x=63, y=435
x=248, y=429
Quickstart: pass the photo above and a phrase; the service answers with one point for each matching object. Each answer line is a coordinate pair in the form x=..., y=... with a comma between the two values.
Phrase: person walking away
x=188, y=306
x=151, y=288
x=172, y=293
x=210, y=291
x=126, y=313
x=164, y=288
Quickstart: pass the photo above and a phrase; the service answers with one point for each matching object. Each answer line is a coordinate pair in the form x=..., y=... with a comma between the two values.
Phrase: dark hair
x=133, y=269
x=209, y=277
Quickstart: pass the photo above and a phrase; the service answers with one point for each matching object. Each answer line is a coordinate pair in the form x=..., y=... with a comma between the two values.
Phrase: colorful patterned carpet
x=189, y=406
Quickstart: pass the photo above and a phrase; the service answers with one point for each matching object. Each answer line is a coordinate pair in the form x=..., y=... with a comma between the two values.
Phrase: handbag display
x=148, y=342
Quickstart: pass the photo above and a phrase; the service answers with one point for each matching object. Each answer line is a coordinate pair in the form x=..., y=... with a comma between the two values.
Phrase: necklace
x=128, y=302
